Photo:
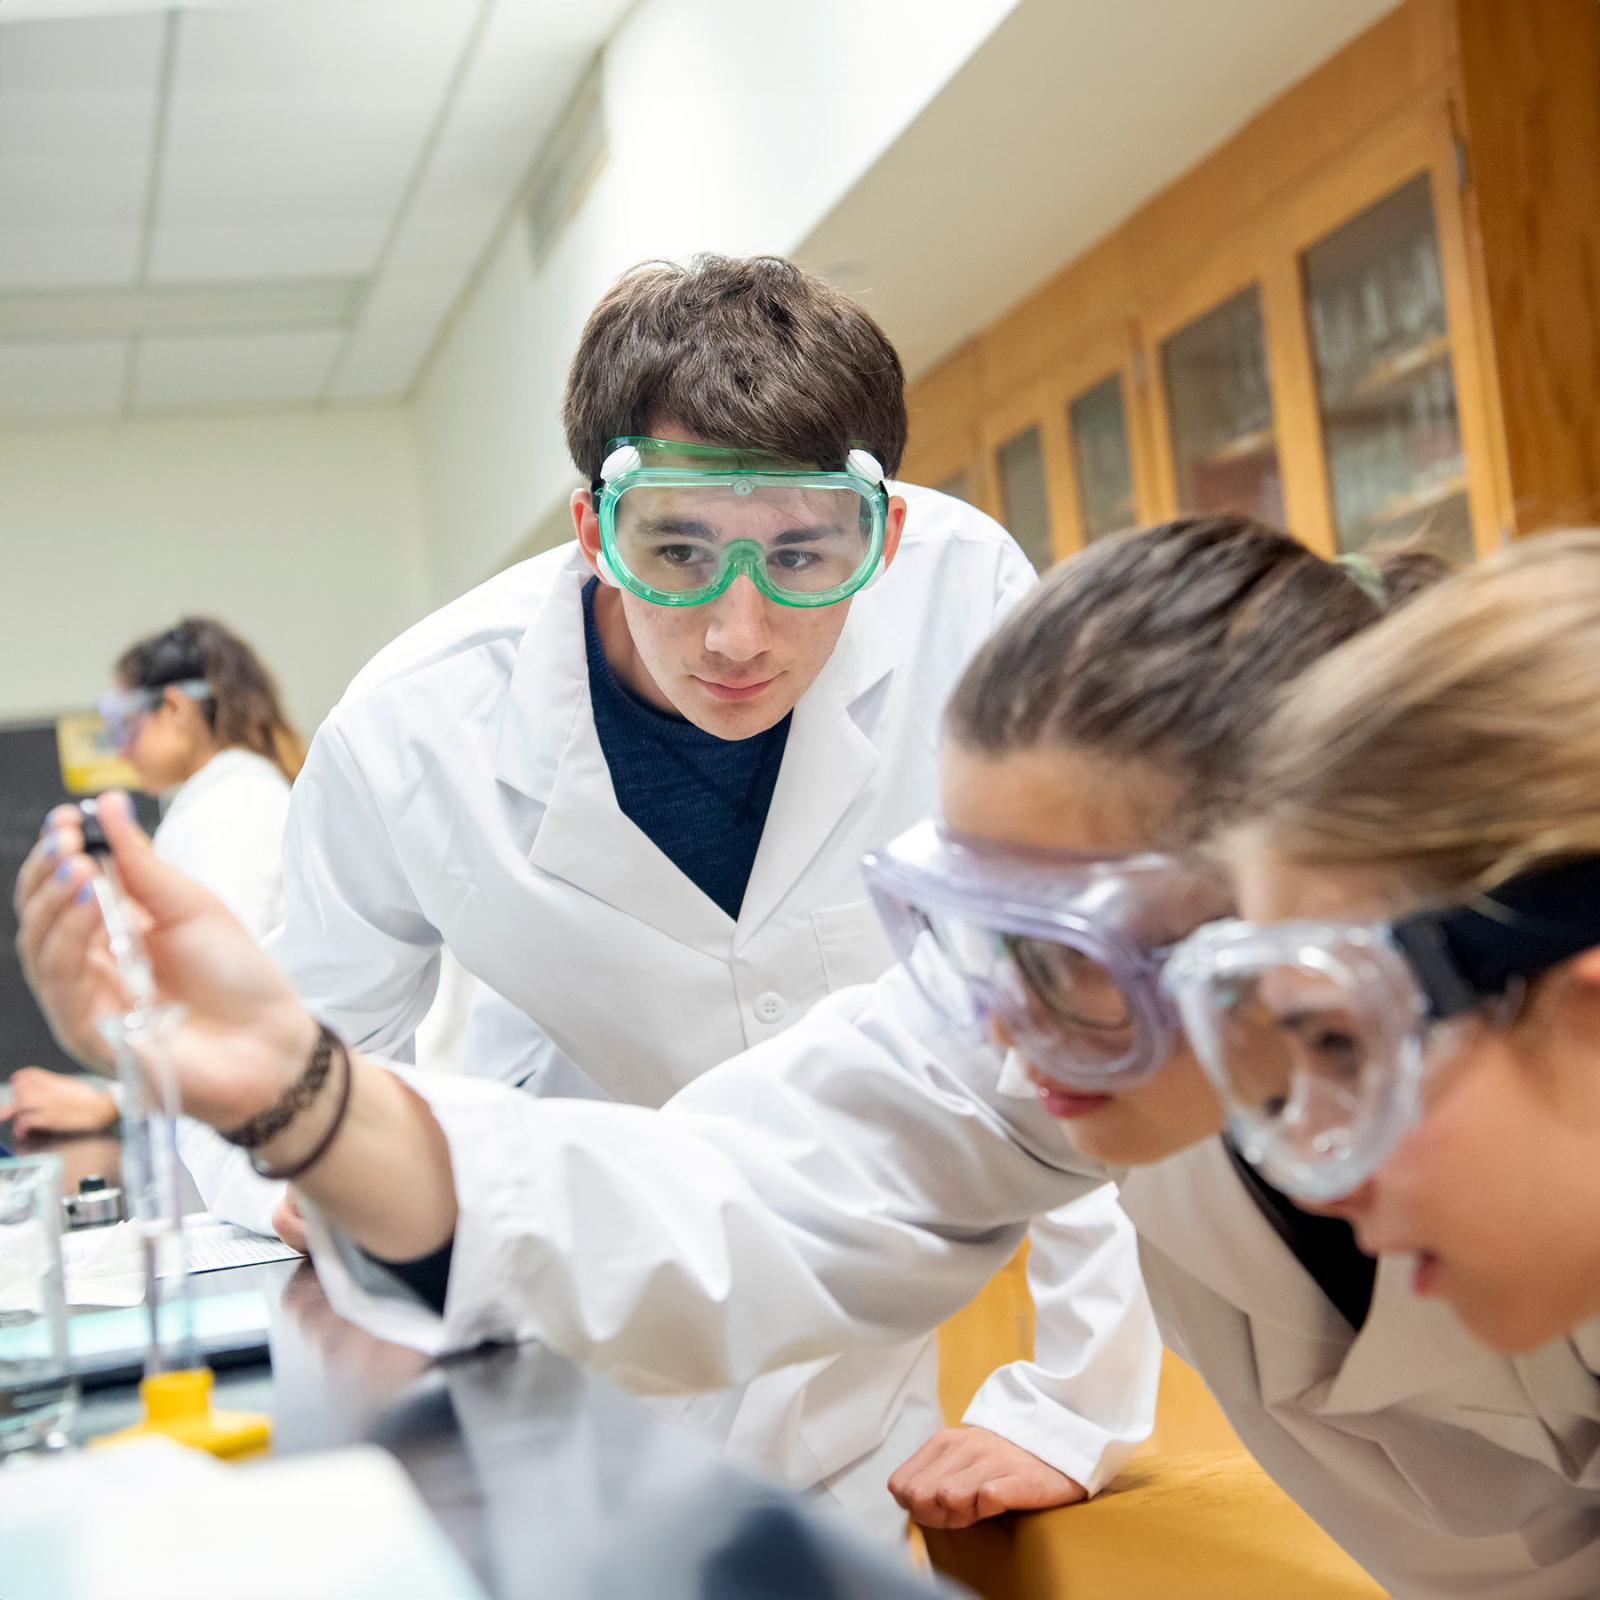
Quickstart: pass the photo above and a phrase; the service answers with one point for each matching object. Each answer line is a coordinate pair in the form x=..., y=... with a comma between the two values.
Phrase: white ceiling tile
x=237, y=371
x=295, y=129
x=267, y=246
x=176, y=311
x=78, y=103
x=82, y=255
x=33, y=10
x=530, y=59
x=385, y=361
x=61, y=382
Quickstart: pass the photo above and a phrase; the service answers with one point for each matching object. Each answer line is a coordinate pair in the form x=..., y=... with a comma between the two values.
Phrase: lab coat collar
x=828, y=760
x=1195, y=1209
x=1410, y=1347
x=1304, y=1350
x=549, y=684
x=548, y=749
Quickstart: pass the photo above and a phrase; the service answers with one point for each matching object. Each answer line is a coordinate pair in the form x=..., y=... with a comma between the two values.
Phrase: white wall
x=718, y=141
x=301, y=530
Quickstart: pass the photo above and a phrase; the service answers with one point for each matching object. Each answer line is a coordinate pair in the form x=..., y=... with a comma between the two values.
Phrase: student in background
x=199, y=718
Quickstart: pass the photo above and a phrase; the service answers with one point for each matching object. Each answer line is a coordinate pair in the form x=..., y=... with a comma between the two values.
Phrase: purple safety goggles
x=1064, y=950
x=124, y=709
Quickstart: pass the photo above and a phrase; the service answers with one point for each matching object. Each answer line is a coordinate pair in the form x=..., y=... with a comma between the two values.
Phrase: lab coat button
x=771, y=1006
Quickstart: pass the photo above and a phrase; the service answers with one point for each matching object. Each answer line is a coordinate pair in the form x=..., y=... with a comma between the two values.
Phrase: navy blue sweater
x=702, y=801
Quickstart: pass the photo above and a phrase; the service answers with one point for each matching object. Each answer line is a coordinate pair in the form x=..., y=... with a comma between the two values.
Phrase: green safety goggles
x=679, y=522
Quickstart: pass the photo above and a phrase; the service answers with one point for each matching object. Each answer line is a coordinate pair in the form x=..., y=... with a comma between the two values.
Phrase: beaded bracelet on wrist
x=270, y=1123
x=300, y=1094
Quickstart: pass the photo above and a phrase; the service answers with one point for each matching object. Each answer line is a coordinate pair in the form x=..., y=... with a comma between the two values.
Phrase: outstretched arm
x=854, y=1180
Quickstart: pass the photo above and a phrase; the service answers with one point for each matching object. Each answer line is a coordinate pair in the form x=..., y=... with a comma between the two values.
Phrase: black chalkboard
x=30, y=784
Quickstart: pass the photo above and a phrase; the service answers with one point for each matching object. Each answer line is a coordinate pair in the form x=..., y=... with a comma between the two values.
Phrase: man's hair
x=753, y=353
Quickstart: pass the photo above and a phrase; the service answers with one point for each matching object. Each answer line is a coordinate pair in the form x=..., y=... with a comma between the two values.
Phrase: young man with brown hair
x=629, y=783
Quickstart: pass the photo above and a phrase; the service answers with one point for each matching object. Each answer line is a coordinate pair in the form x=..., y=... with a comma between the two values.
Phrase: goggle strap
x=1474, y=951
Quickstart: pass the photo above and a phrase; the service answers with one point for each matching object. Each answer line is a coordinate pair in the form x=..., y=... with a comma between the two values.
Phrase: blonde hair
x=1458, y=742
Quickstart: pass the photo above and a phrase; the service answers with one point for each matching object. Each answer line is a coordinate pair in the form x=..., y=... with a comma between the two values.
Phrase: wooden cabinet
x=1310, y=326
x=1217, y=401
x=1102, y=459
x=1386, y=393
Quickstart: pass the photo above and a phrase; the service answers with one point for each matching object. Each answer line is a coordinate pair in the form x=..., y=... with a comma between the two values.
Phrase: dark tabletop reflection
x=553, y=1485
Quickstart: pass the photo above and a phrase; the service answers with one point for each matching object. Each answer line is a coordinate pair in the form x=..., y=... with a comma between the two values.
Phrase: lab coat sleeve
x=1015, y=580
x=230, y=1188
x=354, y=941
x=1089, y=1395
x=840, y=1185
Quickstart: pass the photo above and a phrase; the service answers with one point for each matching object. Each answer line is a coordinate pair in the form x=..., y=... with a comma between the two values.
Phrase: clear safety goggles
x=123, y=710
x=679, y=522
x=1065, y=951
x=1319, y=1036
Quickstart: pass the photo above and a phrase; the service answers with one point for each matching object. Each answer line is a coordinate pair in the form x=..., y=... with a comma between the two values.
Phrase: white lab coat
x=458, y=794
x=223, y=827
x=857, y=1178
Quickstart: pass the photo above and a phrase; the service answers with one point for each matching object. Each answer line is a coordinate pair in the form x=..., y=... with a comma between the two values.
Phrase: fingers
x=55, y=847
x=59, y=909
x=163, y=893
x=917, y=1467
x=289, y=1225
x=59, y=928
x=958, y=1499
x=1000, y=1495
x=26, y=1125
x=922, y=1486
x=962, y=1475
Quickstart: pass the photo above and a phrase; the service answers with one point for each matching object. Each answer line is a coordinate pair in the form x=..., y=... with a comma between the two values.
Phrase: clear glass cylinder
x=38, y=1392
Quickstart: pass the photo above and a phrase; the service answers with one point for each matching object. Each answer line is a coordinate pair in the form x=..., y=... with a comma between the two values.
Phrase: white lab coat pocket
x=854, y=947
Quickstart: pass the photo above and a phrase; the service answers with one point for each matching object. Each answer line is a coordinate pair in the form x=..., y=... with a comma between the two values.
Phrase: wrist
x=296, y=1131
x=262, y=1066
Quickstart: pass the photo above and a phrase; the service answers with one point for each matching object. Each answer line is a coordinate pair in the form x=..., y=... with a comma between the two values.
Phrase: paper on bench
x=104, y=1267
x=154, y=1522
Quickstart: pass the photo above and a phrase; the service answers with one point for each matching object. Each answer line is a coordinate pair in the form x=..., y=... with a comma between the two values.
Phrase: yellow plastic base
x=177, y=1406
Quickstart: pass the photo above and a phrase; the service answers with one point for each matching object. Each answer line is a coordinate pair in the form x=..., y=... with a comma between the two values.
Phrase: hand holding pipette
x=151, y=1173
x=177, y=1386
x=244, y=1034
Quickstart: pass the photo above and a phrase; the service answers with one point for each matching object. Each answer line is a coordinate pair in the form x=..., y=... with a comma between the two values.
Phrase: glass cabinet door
x=1024, y=495
x=1099, y=432
x=1219, y=406
x=1384, y=381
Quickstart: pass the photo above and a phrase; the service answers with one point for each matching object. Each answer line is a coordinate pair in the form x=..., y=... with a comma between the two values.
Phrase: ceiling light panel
x=78, y=106
x=294, y=131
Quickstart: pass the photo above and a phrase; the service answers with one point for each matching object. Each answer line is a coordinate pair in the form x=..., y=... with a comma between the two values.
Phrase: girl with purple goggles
x=1065, y=951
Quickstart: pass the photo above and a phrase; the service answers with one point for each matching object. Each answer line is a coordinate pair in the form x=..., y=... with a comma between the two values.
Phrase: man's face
x=736, y=665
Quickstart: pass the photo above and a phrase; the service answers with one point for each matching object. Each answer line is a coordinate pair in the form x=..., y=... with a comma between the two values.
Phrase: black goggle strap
x=1478, y=949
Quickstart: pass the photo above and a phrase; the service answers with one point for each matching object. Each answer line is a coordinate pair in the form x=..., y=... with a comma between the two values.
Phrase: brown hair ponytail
x=1170, y=645
x=244, y=711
